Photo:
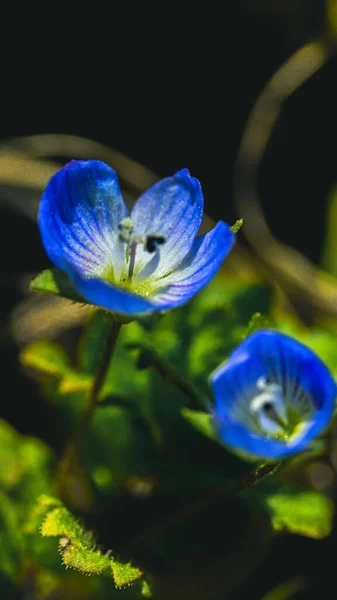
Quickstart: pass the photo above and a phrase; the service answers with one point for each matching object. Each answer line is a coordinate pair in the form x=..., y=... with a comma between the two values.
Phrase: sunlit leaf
x=303, y=512
x=55, y=281
x=47, y=357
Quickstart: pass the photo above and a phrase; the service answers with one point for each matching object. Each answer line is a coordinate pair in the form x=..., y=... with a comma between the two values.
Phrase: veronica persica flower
x=130, y=264
x=272, y=396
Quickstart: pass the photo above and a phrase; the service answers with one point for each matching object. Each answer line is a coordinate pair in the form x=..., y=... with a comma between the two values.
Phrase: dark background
x=174, y=90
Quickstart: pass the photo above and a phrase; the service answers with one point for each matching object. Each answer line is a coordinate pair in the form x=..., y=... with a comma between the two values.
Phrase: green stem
x=153, y=360
x=72, y=450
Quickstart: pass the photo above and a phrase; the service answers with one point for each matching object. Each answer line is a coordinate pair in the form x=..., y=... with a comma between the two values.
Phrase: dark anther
x=270, y=411
x=153, y=240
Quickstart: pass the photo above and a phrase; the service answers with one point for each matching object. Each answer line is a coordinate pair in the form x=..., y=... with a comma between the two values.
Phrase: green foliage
x=287, y=589
x=237, y=226
x=303, y=512
x=152, y=434
x=201, y=421
x=46, y=357
x=55, y=281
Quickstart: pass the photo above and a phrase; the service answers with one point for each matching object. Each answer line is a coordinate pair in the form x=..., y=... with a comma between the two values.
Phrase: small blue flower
x=272, y=396
x=150, y=260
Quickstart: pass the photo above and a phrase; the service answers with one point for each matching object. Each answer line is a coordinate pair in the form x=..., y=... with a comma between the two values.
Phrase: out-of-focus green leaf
x=25, y=464
x=11, y=545
x=46, y=357
x=286, y=589
x=324, y=344
x=55, y=281
x=203, y=422
x=78, y=550
x=146, y=591
x=332, y=16
x=304, y=512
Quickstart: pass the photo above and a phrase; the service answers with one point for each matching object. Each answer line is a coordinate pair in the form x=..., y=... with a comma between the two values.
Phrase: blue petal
x=112, y=298
x=172, y=207
x=79, y=215
x=280, y=359
x=197, y=269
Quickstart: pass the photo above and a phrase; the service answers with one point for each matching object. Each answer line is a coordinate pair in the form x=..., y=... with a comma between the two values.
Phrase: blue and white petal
x=111, y=297
x=79, y=215
x=172, y=207
x=131, y=265
x=196, y=270
x=272, y=396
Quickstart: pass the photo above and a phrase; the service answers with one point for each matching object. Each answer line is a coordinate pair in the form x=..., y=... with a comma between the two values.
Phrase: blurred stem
x=149, y=358
x=72, y=450
x=230, y=488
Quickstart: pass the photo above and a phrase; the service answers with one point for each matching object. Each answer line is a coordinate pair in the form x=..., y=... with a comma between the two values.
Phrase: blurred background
x=171, y=90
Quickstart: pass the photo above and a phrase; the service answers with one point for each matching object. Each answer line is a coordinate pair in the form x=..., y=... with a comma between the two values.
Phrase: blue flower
x=272, y=396
x=150, y=260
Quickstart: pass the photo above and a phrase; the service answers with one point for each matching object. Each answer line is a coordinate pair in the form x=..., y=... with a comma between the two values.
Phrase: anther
x=126, y=228
x=153, y=240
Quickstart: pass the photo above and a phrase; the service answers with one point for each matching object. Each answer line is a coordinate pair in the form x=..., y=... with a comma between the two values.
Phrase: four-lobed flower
x=130, y=264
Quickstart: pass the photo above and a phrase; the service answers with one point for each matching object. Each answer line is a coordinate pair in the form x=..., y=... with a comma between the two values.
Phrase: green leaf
x=78, y=550
x=11, y=544
x=237, y=226
x=287, y=589
x=125, y=574
x=46, y=357
x=146, y=590
x=332, y=16
x=203, y=422
x=55, y=281
x=298, y=511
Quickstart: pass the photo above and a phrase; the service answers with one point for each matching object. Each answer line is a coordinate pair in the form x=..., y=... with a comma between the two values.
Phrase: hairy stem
x=72, y=450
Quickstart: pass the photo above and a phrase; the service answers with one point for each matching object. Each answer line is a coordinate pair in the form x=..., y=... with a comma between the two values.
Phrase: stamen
x=126, y=228
x=269, y=407
x=153, y=240
x=132, y=254
x=270, y=411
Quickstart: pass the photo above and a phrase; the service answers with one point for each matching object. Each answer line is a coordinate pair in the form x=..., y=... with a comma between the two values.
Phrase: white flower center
x=135, y=259
x=269, y=407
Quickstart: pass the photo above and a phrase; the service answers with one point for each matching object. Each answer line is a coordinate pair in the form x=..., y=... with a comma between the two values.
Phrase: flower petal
x=197, y=269
x=173, y=207
x=112, y=298
x=281, y=359
x=79, y=215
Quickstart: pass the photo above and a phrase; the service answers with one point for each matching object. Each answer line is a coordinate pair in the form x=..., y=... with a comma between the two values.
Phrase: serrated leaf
x=55, y=281
x=125, y=574
x=60, y=522
x=306, y=513
x=202, y=421
x=78, y=550
x=46, y=357
x=82, y=559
